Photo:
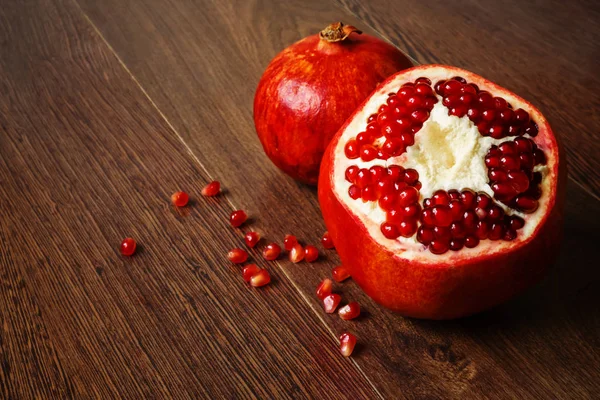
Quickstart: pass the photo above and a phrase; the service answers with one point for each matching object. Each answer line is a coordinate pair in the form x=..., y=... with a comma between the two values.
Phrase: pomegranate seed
x=179, y=199
x=407, y=196
x=261, y=278
x=340, y=274
x=526, y=204
x=271, y=251
x=354, y=192
x=516, y=223
x=364, y=138
x=347, y=344
x=128, y=246
x=351, y=149
x=331, y=303
x=289, y=241
x=351, y=172
x=237, y=218
x=363, y=178
x=438, y=246
x=327, y=241
x=249, y=271
x=311, y=253
x=395, y=172
x=212, y=189
x=389, y=230
x=368, y=152
x=237, y=256
x=456, y=244
x=425, y=235
x=296, y=253
x=324, y=288
x=251, y=239
x=349, y=311
x=442, y=215
x=440, y=197
x=407, y=228
x=471, y=241
x=377, y=172
x=411, y=176
x=442, y=233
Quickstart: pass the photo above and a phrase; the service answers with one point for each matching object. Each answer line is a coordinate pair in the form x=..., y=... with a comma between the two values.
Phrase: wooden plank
x=546, y=51
x=86, y=159
x=200, y=64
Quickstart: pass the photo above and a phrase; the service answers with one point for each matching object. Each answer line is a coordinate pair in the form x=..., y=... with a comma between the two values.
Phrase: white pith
x=448, y=154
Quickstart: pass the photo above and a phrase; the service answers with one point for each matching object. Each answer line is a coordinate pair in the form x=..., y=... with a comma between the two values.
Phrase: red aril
x=326, y=241
x=179, y=199
x=271, y=251
x=237, y=218
x=297, y=253
x=470, y=212
x=251, y=238
x=237, y=256
x=249, y=271
x=310, y=89
x=128, y=246
x=311, y=253
x=331, y=302
x=289, y=241
x=324, y=288
x=349, y=311
x=347, y=344
x=340, y=274
x=261, y=278
x=212, y=189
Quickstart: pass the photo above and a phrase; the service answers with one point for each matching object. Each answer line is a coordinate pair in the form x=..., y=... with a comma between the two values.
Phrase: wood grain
x=86, y=160
x=200, y=62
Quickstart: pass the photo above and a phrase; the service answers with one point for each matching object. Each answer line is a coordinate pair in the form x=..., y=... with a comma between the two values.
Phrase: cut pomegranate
x=347, y=344
x=271, y=251
x=237, y=256
x=340, y=274
x=289, y=241
x=237, y=218
x=128, y=246
x=311, y=253
x=463, y=200
x=331, y=302
x=297, y=253
x=212, y=189
x=349, y=311
x=261, y=278
x=251, y=239
x=249, y=271
x=179, y=199
x=326, y=241
x=324, y=288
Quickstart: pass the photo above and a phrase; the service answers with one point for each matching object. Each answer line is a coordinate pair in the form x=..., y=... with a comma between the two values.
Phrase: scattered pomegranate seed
x=340, y=274
x=349, y=311
x=331, y=302
x=251, y=239
x=289, y=241
x=311, y=253
x=249, y=271
x=271, y=251
x=212, y=189
x=326, y=241
x=128, y=246
x=324, y=288
x=261, y=278
x=237, y=218
x=237, y=256
x=297, y=253
x=347, y=343
x=179, y=199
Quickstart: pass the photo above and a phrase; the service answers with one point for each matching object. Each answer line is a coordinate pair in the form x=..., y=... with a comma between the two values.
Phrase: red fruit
x=326, y=241
x=212, y=189
x=347, y=344
x=271, y=251
x=340, y=274
x=249, y=271
x=310, y=89
x=289, y=241
x=237, y=218
x=331, y=303
x=128, y=246
x=297, y=253
x=467, y=249
x=324, y=288
x=261, y=278
x=179, y=199
x=349, y=311
x=311, y=253
x=237, y=256
x=251, y=239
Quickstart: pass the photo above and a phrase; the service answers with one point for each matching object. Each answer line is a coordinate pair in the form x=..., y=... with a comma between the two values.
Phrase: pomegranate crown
x=337, y=31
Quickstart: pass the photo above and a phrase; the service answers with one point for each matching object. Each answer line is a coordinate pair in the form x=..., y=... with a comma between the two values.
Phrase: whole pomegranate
x=443, y=193
x=310, y=89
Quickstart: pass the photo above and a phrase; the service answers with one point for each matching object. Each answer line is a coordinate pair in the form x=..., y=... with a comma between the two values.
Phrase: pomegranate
x=310, y=89
x=443, y=193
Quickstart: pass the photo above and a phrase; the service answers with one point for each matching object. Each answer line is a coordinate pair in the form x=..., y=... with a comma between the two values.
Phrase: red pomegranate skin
x=441, y=291
x=310, y=89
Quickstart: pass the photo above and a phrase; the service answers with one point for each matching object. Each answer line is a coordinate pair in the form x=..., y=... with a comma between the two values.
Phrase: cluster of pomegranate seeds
x=347, y=344
x=297, y=253
x=271, y=251
x=324, y=288
x=311, y=253
x=349, y=311
x=212, y=189
x=493, y=116
x=237, y=218
x=128, y=246
x=451, y=220
x=237, y=256
x=510, y=171
x=180, y=199
x=340, y=274
x=326, y=241
x=249, y=271
x=251, y=239
x=260, y=278
x=392, y=129
x=331, y=302
x=289, y=241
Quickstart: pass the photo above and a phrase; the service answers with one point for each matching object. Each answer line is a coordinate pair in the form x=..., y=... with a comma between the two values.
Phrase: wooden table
x=107, y=107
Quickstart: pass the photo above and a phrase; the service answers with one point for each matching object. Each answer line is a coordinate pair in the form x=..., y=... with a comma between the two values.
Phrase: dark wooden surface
x=108, y=107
